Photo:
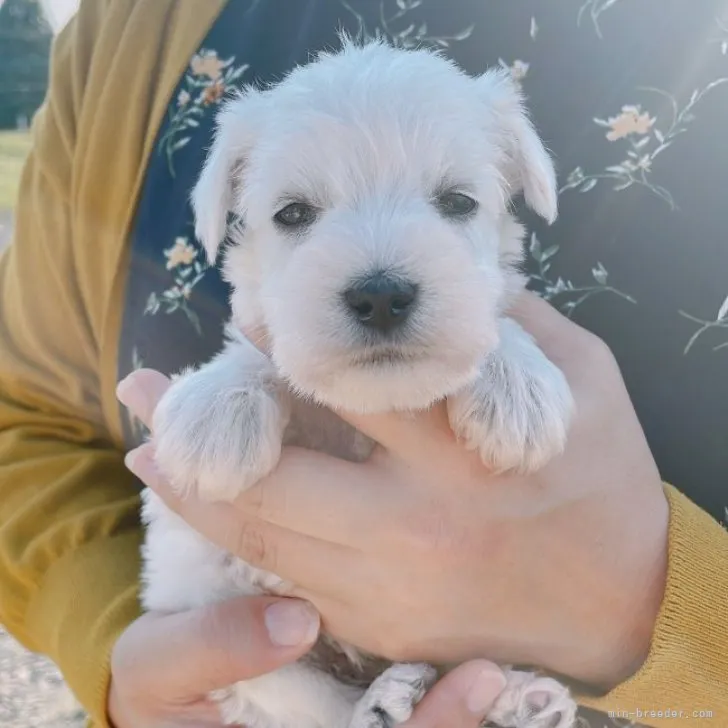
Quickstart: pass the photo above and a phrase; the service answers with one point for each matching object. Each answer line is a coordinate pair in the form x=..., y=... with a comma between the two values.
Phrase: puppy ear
x=528, y=166
x=217, y=190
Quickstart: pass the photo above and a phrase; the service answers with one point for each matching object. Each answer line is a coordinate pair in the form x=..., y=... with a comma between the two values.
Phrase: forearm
x=69, y=510
x=69, y=547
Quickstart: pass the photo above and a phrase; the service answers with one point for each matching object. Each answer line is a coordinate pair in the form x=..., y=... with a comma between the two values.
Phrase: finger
x=406, y=435
x=324, y=497
x=554, y=332
x=308, y=492
x=309, y=562
x=461, y=699
x=239, y=639
x=141, y=391
x=258, y=336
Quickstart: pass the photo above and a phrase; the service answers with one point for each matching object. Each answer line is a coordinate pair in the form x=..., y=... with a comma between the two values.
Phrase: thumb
x=462, y=698
x=405, y=435
x=215, y=646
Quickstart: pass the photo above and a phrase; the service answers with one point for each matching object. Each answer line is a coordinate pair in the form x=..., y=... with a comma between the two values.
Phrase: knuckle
x=395, y=649
x=254, y=501
x=597, y=353
x=121, y=659
x=436, y=538
x=253, y=547
x=211, y=629
x=428, y=533
x=216, y=631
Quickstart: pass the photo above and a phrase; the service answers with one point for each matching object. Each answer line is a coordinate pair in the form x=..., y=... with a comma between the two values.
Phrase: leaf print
x=180, y=143
x=408, y=4
x=595, y=8
x=723, y=310
x=410, y=36
x=645, y=141
x=188, y=266
x=720, y=322
x=722, y=39
x=208, y=79
x=600, y=274
x=518, y=69
x=563, y=293
x=533, y=30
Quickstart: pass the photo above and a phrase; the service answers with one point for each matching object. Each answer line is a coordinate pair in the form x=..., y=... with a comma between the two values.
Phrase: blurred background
x=26, y=30
x=32, y=693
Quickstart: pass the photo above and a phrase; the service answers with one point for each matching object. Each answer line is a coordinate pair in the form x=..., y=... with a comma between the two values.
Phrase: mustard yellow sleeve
x=69, y=529
x=684, y=681
x=70, y=534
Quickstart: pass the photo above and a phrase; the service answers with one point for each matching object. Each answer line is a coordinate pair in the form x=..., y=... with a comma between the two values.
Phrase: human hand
x=564, y=569
x=164, y=665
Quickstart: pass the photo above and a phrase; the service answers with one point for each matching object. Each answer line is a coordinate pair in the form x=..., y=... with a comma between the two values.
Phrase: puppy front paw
x=217, y=439
x=517, y=412
x=392, y=697
x=532, y=701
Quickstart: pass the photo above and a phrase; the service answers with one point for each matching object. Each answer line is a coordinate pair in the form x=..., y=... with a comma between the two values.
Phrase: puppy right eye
x=295, y=215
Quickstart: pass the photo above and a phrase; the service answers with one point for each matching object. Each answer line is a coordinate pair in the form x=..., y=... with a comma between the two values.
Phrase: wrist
x=116, y=715
x=112, y=709
x=634, y=606
x=606, y=635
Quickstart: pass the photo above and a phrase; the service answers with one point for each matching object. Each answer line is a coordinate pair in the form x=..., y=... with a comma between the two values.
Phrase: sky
x=58, y=12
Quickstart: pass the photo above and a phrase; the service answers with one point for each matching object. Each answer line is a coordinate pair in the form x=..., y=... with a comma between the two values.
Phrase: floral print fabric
x=631, y=96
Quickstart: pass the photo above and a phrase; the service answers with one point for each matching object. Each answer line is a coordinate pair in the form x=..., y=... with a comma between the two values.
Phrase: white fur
x=368, y=136
x=516, y=411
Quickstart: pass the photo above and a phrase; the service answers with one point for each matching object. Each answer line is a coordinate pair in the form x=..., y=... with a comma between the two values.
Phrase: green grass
x=14, y=146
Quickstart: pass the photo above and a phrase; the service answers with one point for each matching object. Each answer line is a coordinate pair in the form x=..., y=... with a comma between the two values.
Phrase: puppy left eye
x=455, y=204
x=295, y=215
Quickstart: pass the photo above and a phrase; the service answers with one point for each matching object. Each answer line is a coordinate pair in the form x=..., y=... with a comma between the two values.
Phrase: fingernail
x=131, y=395
x=486, y=687
x=130, y=460
x=122, y=389
x=139, y=463
x=291, y=623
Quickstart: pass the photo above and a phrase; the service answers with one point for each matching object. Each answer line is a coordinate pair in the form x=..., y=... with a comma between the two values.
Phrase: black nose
x=381, y=302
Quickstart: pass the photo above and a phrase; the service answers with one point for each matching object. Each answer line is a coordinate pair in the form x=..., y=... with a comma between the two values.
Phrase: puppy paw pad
x=391, y=698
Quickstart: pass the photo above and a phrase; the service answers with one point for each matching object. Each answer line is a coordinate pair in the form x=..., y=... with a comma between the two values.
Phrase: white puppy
x=374, y=245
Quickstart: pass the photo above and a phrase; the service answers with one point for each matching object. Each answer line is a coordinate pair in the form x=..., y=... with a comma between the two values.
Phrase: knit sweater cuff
x=684, y=680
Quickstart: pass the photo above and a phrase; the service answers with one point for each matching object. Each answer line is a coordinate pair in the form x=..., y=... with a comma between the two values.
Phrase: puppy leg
x=392, y=697
x=517, y=412
x=182, y=570
x=219, y=429
x=295, y=696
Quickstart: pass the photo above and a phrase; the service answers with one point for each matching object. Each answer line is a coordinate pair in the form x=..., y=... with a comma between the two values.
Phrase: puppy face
x=376, y=247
